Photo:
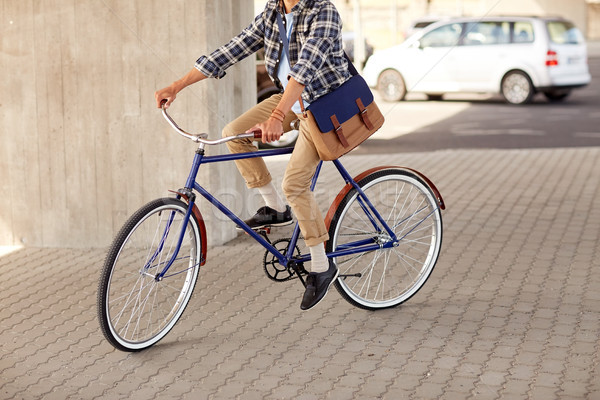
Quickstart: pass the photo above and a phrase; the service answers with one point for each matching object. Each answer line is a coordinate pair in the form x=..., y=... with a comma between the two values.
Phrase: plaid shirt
x=316, y=53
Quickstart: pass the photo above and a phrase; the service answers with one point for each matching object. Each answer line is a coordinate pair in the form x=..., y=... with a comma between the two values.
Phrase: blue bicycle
x=385, y=229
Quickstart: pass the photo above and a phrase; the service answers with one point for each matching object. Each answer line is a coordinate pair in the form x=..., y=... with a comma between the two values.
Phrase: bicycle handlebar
x=203, y=137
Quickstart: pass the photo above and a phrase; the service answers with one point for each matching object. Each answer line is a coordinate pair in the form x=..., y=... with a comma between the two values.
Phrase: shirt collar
x=299, y=6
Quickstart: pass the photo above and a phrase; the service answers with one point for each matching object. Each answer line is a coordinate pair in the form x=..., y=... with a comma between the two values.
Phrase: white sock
x=271, y=197
x=319, y=262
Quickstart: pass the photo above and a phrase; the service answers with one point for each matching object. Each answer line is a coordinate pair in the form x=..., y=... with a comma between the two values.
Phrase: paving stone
x=510, y=311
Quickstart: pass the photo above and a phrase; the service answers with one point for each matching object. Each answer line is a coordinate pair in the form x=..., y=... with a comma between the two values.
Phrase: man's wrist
x=190, y=78
x=278, y=115
x=177, y=86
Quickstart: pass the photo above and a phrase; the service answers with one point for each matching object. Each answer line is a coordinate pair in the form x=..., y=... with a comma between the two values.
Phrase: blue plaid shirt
x=316, y=53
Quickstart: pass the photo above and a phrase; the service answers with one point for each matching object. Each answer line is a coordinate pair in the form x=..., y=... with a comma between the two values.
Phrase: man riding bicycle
x=316, y=66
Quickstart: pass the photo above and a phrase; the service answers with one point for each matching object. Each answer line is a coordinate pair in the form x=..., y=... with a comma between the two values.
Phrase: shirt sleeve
x=249, y=41
x=324, y=30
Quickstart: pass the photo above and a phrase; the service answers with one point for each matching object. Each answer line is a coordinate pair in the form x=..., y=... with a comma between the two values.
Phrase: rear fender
x=201, y=225
x=338, y=199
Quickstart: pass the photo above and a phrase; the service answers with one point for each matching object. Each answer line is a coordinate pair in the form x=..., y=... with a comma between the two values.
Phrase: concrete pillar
x=82, y=144
x=220, y=101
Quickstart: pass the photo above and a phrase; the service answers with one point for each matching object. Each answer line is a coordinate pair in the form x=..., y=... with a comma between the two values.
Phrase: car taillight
x=551, y=58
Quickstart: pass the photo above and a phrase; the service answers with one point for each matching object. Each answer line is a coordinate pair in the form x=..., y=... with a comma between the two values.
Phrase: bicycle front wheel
x=387, y=276
x=136, y=308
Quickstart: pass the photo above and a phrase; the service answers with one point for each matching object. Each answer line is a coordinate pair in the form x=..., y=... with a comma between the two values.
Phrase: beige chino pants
x=298, y=174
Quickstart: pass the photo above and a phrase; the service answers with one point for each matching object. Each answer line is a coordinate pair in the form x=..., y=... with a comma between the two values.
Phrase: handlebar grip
x=257, y=134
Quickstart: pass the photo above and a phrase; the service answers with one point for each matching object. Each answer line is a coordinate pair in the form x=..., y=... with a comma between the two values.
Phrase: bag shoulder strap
x=286, y=48
x=283, y=37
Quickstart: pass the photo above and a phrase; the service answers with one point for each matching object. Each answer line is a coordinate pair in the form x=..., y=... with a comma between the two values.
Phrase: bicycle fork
x=159, y=277
x=189, y=195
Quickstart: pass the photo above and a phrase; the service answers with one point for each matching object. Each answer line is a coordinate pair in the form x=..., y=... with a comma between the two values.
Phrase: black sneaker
x=317, y=286
x=266, y=216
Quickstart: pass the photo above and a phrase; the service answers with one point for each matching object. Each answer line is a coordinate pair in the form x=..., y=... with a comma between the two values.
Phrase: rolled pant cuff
x=259, y=183
x=315, y=241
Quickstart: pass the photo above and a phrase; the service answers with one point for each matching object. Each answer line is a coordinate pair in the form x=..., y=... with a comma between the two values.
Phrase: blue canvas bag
x=343, y=118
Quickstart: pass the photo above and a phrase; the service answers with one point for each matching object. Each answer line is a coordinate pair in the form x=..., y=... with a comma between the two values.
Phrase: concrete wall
x=82, y=144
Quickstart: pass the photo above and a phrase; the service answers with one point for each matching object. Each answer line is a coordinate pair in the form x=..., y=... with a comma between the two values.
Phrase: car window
x=523, y=32
x=422, y=24
x=488, y=32
x=444, y=36
x=563, y=32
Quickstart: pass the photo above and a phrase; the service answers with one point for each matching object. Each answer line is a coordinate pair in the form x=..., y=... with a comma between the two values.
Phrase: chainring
x=274, y=270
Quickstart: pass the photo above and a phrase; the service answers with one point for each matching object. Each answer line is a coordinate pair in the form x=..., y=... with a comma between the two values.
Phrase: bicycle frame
x=360, y=246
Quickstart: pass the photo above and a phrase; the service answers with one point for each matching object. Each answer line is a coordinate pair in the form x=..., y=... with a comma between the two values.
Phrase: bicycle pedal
x=265, y=229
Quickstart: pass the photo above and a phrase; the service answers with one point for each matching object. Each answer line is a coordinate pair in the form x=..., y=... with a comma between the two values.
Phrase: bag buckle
x=339, y=132
x=363, y=114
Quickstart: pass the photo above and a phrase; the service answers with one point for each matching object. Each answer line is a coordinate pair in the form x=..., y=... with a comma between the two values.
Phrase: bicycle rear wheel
x=386, y=277
x=135, y=308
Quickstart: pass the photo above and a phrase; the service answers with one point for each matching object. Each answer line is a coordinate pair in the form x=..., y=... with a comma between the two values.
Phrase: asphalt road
x=478, y=122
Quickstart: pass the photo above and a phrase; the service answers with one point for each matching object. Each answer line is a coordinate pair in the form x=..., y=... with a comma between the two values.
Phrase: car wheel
x=558, y=95
x=266, y=93
x=435, y=97
x=391, y=85
x=517, y=88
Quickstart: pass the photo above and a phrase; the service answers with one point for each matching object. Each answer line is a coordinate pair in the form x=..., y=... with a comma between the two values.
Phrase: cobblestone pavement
x=512, y=310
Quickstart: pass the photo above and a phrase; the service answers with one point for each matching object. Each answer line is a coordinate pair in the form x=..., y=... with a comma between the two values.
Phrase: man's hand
x=271, y=129
x=168, y=94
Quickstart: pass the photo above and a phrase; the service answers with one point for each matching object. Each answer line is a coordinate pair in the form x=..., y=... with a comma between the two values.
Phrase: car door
x=484, y=49
x=429, y=70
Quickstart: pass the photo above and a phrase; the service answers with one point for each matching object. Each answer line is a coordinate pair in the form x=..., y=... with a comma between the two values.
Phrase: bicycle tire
x=388, y=276
x=136, y=310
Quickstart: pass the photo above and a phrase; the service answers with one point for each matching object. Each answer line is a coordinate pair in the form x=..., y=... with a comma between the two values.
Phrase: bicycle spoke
x=396, y=198
x=381, y=281
x=362, y=219
x=132, y=315
x=362, y=232
x=140, y=313
x=127, y=302
x=403, y=258
x=369, y=267
x=401, y=211
x=407, y=220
